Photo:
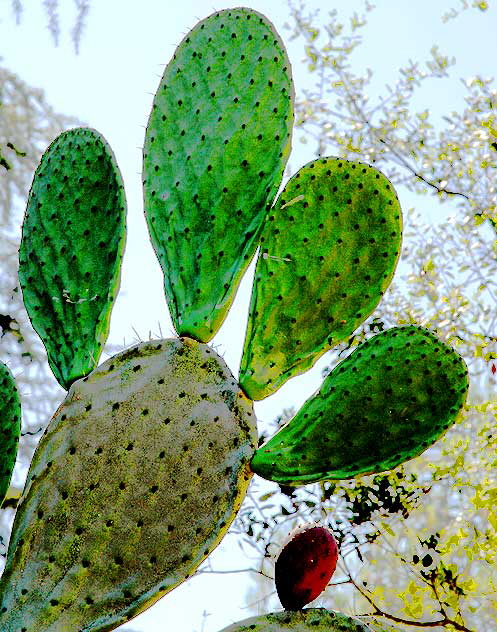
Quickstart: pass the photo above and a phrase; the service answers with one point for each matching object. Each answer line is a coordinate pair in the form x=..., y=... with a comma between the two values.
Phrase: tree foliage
x=417, y=543
x=51, y=9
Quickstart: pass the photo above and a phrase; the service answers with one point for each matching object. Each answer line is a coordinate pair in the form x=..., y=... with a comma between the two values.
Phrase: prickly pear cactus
x=309, y=620
x=146, y=462
x=10, y=427
x=384, y=404
x=217, y=142
x=139, y=475
x=71, y=249
x=305, y=565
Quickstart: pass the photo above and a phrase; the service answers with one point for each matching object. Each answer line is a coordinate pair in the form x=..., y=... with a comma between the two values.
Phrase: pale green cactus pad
x=216, y=144
x=138, y=477
x=307, y=620
x=72, y=244
x=394, y=396
x=328, y=252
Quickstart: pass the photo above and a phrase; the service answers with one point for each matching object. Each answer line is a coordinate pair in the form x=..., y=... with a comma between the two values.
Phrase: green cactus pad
x=72, y=244
x=387, y=402
x=216, y=144
x=138, y=477
x=10, y=427
x=308, y=620
x=328, y=252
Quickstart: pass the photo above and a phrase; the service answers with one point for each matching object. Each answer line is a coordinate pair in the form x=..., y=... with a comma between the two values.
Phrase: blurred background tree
x=417, y=543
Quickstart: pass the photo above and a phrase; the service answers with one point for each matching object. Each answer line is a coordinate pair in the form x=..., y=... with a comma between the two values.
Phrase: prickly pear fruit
x=384, y=404
x=308, y=620
x=139, y=475
x=216, y=144
x=72, y=244
x=10, y=427
x=305, y=566
x=328, y=252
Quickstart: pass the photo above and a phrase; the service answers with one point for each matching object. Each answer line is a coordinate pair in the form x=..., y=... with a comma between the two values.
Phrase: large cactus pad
x=216, y=144
x=139, y=475
x=72, y=244
x=328, y=252
x=384, y=404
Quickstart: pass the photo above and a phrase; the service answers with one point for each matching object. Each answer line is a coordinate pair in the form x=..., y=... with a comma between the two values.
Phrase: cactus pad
x=308, y=620
x=305, y=566
x=388, y=401
x=328, y=252
x=138, y=476
x=216, y=144
x=70, y=255
x=10, y=427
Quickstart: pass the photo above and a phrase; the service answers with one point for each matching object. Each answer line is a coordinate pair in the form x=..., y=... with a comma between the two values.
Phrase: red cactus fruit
x=305, y=566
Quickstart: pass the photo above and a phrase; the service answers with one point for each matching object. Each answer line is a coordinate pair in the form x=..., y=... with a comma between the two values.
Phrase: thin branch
x=378, y=612
x=404, y=163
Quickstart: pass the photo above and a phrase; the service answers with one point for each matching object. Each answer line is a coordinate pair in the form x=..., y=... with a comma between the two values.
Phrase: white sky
x=110, y=86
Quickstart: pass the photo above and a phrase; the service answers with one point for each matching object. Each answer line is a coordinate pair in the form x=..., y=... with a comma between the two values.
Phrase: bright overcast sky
x=110, y=86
